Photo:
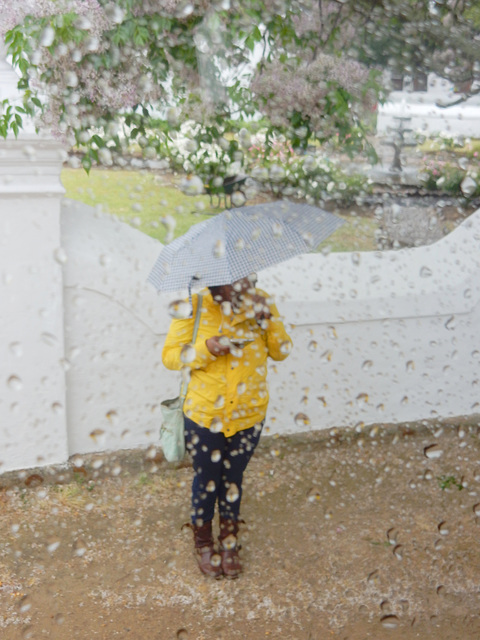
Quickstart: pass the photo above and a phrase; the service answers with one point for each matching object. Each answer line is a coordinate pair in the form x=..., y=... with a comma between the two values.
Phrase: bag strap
x=183, y=388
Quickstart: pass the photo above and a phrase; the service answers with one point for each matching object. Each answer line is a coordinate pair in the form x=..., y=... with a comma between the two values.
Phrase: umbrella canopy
x=239, y=242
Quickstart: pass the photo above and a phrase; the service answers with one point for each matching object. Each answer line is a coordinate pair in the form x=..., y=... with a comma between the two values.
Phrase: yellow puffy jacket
x=227, y=393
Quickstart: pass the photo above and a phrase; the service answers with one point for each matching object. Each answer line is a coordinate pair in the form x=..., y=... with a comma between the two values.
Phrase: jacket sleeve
x=279, y=343
x=180, y=334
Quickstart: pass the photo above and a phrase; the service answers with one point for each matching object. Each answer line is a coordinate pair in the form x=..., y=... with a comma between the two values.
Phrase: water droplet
x=392, y=535
x=239, y=244
x=59, y=618
x=238, y=199
x=187, y=354
x=302, y=420
x=47, y=37
x=443, y=529
x=60, y=255
x=79, y=548
x=468, y=186
x=180, y=309
x=53, y=544
x=49, y=338
x=368, y=364
x=16, y=348
x=450, y=323
x=98, y=436
x=476, y=509
x=183, y=10
x=398, y=552
x=219, y=402
x=210, y=486
x=15, y=383
x=216, y=455
x=104, y=260
x=425, y=272
x=286, y=347
x=312, y=345
x=332, y=333
x=313, y=495
x=389, y=622
x=433, y=451
x=25, y=604
x=326, y=357
x=410, y=366
x=362, y=398
x=112, y=416
x=57, y=408
x=232, y=493
x=219, y=249
x=241, y=388
x=356, y=258
x=27, y=632
x=216, y=425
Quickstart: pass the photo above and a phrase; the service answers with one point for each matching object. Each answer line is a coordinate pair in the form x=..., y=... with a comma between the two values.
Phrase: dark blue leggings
x=218, y=464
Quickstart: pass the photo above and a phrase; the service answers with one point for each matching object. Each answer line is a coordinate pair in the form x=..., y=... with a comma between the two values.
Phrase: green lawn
x=143, y=199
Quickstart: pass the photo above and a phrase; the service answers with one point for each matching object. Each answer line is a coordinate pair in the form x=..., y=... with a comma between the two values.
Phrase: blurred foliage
x=98, y=72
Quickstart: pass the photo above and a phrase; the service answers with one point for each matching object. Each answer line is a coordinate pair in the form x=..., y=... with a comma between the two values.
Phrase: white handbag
x=172, y=430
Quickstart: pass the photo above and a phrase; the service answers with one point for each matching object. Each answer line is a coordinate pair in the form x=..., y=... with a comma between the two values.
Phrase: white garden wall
x=378, y=336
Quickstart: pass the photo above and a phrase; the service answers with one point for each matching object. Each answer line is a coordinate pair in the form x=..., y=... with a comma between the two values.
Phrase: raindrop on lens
x=187, y=354
x=60, y=255
x=219, y=249
x=425, y=272
x=389, y=622
x=15, y=383
x=286, y=347
x=433, y=451
x=53, y=545
x=443, y=529
x=17, y=349
x=180, y=309
x=25, y=604
x=79, y=548
x=47, y=37
x=302, y=420
x=219, y=402
x=232, y=493
x=450, y=323
x=216, y=425
x=216, y=455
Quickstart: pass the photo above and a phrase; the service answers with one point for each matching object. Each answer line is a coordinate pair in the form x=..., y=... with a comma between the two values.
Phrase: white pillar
x=32, y=361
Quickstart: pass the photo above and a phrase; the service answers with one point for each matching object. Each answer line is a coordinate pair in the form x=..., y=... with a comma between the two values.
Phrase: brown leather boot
x=229, y=547
x=209, y=561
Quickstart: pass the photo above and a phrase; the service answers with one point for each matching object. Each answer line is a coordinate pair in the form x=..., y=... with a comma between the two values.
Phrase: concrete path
x=349, y=535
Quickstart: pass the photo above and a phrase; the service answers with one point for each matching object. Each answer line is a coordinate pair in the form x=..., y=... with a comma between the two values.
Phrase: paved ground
x=349, y=535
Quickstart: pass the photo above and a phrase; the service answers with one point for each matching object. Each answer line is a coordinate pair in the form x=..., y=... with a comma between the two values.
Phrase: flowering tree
x=98, y=69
